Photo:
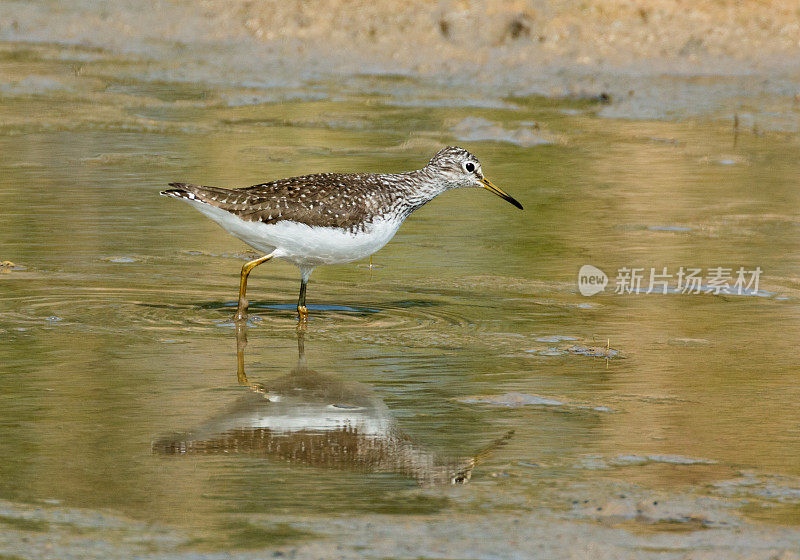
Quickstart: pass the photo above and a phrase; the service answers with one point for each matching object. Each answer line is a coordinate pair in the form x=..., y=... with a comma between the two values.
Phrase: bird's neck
x=421, y=187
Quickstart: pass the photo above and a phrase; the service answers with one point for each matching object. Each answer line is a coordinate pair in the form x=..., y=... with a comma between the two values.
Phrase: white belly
x=301, y=244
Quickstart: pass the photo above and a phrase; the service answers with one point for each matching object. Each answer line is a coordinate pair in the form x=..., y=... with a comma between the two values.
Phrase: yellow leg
x=241, y=312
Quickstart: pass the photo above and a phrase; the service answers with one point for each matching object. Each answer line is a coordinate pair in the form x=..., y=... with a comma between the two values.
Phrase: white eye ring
x=469, y=167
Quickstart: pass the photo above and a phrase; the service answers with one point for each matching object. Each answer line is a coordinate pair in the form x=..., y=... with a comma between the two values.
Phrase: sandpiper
x=329, y=218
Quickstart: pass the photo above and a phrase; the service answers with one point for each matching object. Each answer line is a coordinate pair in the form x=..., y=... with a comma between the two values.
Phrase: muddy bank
x=652, y=59
x=602, y=531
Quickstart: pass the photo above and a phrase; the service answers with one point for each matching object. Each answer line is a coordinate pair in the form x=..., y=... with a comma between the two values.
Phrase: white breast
x=301, y=244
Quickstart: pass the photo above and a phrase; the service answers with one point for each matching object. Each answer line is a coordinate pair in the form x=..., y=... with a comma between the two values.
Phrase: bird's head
x=458, y=168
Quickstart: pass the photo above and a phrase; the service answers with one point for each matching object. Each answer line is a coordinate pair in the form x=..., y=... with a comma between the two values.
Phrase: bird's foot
x=302, y=312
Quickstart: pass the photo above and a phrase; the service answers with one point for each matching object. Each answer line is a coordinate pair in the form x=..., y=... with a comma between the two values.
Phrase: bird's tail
x=232, y=200
x=187, y=191
x=182, y=190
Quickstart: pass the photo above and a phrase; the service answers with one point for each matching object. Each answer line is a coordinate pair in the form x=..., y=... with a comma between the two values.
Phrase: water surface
x=466, y=349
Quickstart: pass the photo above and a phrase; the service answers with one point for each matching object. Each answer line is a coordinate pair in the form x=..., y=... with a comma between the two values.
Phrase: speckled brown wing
x=327, y=199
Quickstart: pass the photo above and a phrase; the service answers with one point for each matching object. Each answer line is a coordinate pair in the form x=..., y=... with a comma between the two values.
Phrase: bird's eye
x=469, y=166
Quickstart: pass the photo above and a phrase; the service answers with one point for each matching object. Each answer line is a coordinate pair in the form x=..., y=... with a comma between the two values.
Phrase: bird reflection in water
x=319, y=420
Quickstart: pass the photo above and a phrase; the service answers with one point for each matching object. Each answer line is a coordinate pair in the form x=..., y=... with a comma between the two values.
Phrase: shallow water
x=468, y=341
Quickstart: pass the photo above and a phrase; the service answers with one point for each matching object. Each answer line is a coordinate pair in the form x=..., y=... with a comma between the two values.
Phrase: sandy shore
x=654, y=59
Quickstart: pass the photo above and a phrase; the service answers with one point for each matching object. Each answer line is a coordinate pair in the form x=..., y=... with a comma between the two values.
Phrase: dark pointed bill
x=487, y=184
